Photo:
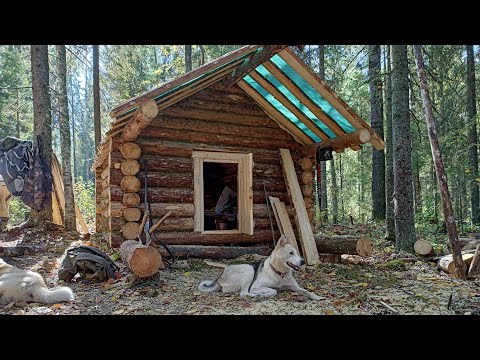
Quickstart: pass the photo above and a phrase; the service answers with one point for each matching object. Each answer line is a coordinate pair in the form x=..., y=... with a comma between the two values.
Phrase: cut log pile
x=470, y=256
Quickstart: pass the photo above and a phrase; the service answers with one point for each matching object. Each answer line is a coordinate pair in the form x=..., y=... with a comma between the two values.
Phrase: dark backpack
x=91, y=263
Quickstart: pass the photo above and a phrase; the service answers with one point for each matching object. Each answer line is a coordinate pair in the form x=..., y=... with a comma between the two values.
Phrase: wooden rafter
x=256, y=59
x=285, y=102
x=338, y=144
x=132, y=103
x=304, y=99
x=286, y=124
x=303, y=70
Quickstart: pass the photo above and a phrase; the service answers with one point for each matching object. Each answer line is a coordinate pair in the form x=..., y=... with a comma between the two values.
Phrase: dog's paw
x=316, y=297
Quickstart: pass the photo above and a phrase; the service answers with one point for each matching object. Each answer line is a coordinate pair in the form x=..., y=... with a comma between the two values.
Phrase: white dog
x=25, y=285
x=271, y=275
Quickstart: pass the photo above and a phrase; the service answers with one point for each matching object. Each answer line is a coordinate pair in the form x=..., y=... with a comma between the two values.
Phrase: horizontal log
x=128, y=199
x=130, y=183
x=158, y=209
x=155, y=195
x=152, y=146
x=341, y=244
x=307, y=177
x=306, y=163
x=224, y=139
x=129, y=167
x=143, y=261
x=176, y=224
x=219, y=116
x=196, y=238
x=132, y=214
x=213, y=252
x=216, y=127
x=158, y=179
x=218, y=102
x=356, y=138
x=130, y=230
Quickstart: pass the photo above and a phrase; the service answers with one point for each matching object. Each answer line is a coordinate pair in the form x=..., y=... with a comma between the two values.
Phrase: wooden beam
x=283, y=220
x=286, y=124
x=356, y=138
x=144, y=115
x=132, y=103
x=285, y=102
x=304, y=99
x=307, y=241
x=302, y=69
x=256, y=59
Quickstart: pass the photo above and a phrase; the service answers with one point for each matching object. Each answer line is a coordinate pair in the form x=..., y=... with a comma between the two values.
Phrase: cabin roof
x=276, y=78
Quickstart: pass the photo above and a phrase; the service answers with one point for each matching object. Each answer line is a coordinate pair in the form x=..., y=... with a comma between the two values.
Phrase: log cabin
x=215, y=143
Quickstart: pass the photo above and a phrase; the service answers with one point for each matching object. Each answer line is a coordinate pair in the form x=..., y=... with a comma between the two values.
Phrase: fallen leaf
x=56, y=306
x=363, y=284
x=191, y=312
x=114, y=298
x=330, y=312
x=311, y=287
x=187, y=273
x=332, y=274
x=118, y=312
x=115, y=256
x=338, y=302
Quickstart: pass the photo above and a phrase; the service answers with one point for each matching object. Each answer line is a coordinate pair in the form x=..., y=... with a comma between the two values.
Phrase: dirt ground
x=373, y=285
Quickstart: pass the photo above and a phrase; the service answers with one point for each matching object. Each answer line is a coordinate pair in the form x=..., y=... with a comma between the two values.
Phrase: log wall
x=216, y=118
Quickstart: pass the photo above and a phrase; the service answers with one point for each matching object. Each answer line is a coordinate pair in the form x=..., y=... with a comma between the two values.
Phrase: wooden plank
x=304, y=99
x=198, y=193
x=273, y=200
x=302, y=69
x=256, y=59
x=128, y=105
x=285, y=102
x=304, y=228
x=245, y=176
x=284, y=123
x=286, y=224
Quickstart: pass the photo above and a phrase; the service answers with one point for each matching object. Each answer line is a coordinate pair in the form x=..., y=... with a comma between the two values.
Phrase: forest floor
x=374, y=285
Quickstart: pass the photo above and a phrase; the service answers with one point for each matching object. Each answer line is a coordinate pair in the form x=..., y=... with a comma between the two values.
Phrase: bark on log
x=472, y=245
x=130, y=230
x=130, y=150
x=342, y=244
x=130, y=199
x=130, y=183
x=446, y=263
x=132, y=214
x=330, y=258
x=195, y=238
x=143, y=261
x=424, y=248
x=129, y=167
x=159, y=179
x=143, y=116
x=307, y=177
x=224, y=139
x=214, y=252
x=306, y=163
x=474, y=269
x=356, y=138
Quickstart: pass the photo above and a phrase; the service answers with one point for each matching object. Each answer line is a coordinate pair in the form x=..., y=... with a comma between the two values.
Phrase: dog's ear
x=282, y=241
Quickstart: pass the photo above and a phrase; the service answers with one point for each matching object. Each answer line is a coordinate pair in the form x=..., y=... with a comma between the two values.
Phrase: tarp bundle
x=15, y=157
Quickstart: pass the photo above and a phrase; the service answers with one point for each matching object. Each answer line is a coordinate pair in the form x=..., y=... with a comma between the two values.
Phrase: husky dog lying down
x=267, y=278
x=25, y=285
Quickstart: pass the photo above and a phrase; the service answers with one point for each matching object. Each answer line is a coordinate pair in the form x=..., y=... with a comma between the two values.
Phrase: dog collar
x=278, y=272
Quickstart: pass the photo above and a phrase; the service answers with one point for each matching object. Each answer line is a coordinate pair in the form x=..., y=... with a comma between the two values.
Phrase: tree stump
x=144, y=261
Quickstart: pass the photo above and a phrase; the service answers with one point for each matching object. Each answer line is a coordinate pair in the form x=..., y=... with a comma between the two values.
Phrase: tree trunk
x=96, y=95
x=389, y=185
x=65, y=140
x=402, y=159
x=334, y=191
x=42, y=121
x=144, y=261
x=188, y=58
x=460, y=270
x=338, y=244
x=323, y=164
x=376, y=118
x=472, y=136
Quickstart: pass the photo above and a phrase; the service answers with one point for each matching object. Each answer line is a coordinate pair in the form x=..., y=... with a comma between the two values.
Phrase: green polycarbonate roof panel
x=282, y=109
x=313, y=94
x=294, y=100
